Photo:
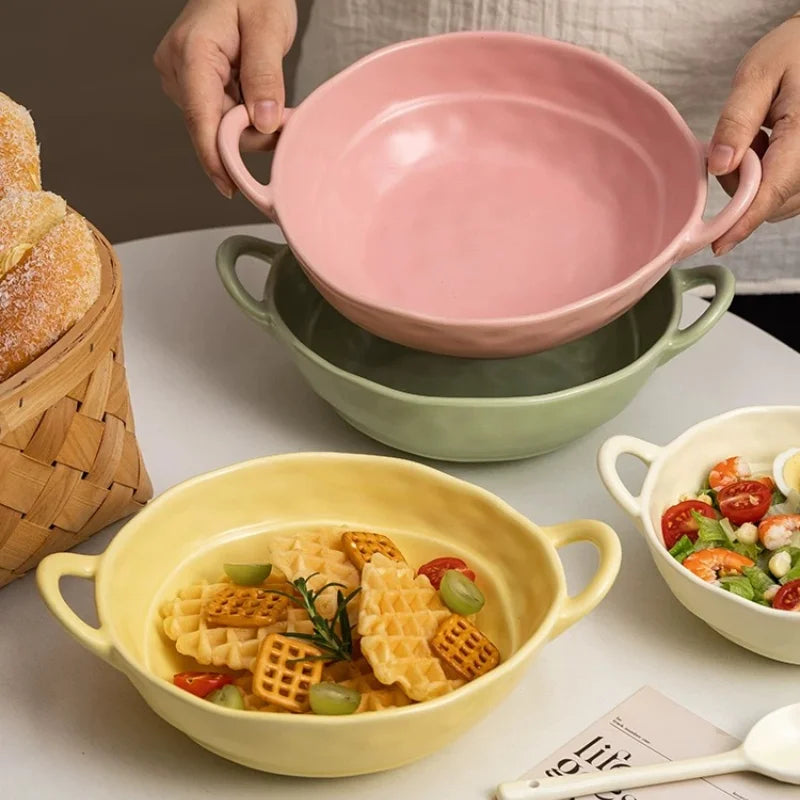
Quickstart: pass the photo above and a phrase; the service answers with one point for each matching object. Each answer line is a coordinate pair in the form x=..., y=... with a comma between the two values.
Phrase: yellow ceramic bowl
x=188, y=533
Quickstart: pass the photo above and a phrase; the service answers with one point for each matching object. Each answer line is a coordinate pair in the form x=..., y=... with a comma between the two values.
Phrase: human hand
x=766, y=91
x=219, y=53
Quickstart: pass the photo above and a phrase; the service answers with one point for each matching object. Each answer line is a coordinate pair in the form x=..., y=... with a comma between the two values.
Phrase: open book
x=648, y=728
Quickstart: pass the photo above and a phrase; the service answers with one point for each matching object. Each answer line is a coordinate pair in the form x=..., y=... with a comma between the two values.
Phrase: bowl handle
x=607, y=458
x=48, y=574
x=605, y=540
x=233, y=125
x=721, y=278
x=704, y=232
x=228, y=253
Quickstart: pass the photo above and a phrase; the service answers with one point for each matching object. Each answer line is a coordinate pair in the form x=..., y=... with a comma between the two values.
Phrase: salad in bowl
x=741, y=530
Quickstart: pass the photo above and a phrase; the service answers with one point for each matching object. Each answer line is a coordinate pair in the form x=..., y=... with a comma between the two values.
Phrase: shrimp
x=712, y=564
x=777, y=531
x=727, y=472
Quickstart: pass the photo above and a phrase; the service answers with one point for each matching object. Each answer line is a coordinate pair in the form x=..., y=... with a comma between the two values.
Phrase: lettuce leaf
x=759, y=580
x=710, y=533
x=751, y=551
x=738, y=584
x=682, y=548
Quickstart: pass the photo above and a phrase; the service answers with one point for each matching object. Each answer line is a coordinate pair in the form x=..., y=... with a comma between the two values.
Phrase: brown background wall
x=111, y=143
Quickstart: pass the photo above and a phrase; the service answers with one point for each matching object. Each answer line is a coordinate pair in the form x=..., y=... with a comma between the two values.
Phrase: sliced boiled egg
x=786, y=470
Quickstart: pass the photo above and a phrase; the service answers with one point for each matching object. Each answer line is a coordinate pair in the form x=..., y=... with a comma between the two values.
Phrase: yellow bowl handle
x=605, y=540
x=48, y=574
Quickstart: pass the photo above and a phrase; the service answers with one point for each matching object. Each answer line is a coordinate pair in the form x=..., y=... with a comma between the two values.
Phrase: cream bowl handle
x=607, y=458
x=607, y=543
x=48, y=576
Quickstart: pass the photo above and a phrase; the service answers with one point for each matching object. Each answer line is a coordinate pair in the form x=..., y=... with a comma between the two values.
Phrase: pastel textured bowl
x=188, y=533
x=757, y=434
x=458, y=409
x=486, y=194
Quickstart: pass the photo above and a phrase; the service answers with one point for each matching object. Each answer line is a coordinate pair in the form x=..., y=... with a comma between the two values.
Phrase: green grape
x=460, y=594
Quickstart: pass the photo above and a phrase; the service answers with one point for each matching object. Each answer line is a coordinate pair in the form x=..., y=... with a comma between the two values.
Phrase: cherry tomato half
x=435, y=570
x=788, y=598
x=744, y=501
x=201, y=684
x=678, y=521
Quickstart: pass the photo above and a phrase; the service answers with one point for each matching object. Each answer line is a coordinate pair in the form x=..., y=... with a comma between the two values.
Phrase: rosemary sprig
x=335, y=645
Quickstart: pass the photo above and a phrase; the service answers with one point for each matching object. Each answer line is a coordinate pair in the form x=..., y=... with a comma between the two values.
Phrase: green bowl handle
x=228, y=253
x=721, y=278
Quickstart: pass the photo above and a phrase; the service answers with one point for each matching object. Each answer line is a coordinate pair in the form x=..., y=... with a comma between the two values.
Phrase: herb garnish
x=335, y=645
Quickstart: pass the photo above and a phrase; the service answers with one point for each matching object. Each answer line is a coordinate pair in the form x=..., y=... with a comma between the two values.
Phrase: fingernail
x=720, y=159
x=223, y=188
x=265, y=116
x=725, y=249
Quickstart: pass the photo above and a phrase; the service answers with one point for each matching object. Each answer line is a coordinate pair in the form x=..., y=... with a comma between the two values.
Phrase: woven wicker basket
x=69, y=461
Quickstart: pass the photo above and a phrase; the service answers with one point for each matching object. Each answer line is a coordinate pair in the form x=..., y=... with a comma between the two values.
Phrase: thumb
x=266, y=34
x=740, y=121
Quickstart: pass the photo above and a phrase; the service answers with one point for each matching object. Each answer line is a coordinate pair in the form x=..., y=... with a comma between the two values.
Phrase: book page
x=649, y=728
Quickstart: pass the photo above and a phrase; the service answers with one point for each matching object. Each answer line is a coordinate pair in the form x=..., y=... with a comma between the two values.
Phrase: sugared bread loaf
x=19, y=153
x=24, y=218
x=49, y=265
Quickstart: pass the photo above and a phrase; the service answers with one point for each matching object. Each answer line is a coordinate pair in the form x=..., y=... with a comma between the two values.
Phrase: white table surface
x=211, y=388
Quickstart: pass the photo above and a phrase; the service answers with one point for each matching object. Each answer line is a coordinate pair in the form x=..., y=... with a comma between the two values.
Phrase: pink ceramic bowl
x=486, y=194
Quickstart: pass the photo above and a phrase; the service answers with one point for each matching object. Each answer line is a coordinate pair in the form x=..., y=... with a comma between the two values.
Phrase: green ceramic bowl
x=457, y=409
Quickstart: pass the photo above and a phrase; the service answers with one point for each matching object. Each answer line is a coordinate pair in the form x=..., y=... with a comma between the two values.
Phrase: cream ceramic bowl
x=757, y=434
x=188, y=532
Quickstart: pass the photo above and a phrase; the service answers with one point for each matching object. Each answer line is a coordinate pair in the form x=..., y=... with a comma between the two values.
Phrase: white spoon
x=772, y=748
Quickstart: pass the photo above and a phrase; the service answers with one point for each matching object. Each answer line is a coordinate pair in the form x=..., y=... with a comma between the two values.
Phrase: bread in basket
x=69, y=460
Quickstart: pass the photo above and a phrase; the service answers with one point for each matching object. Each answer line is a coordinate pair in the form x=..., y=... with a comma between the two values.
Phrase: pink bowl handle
x=704, y=232
x=233, y=125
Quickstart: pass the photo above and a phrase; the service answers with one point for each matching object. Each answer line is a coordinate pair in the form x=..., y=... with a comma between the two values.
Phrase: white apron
x=687, y=49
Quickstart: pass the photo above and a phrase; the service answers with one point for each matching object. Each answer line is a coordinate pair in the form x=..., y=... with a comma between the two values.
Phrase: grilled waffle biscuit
x=184, y=622
x=360, y=546
x=462, y=647
x=284, y=672
x=246, y=607
x=252, y=702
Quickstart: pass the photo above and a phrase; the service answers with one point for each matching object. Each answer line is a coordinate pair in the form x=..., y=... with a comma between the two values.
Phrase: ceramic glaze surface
x=187, y=533
x=756, y=434
x=461, y=409
x=471, y=173
x=326, y=332
x=502, y=194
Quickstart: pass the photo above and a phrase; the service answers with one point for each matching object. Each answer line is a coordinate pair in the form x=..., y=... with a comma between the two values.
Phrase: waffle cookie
x=358, y=675
x=299, y=555
x=282, y=676
x=360, y=546
x=184, y=622
x=463, y=648
x=399, y=616
x=252, y=702
x=246, y=607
